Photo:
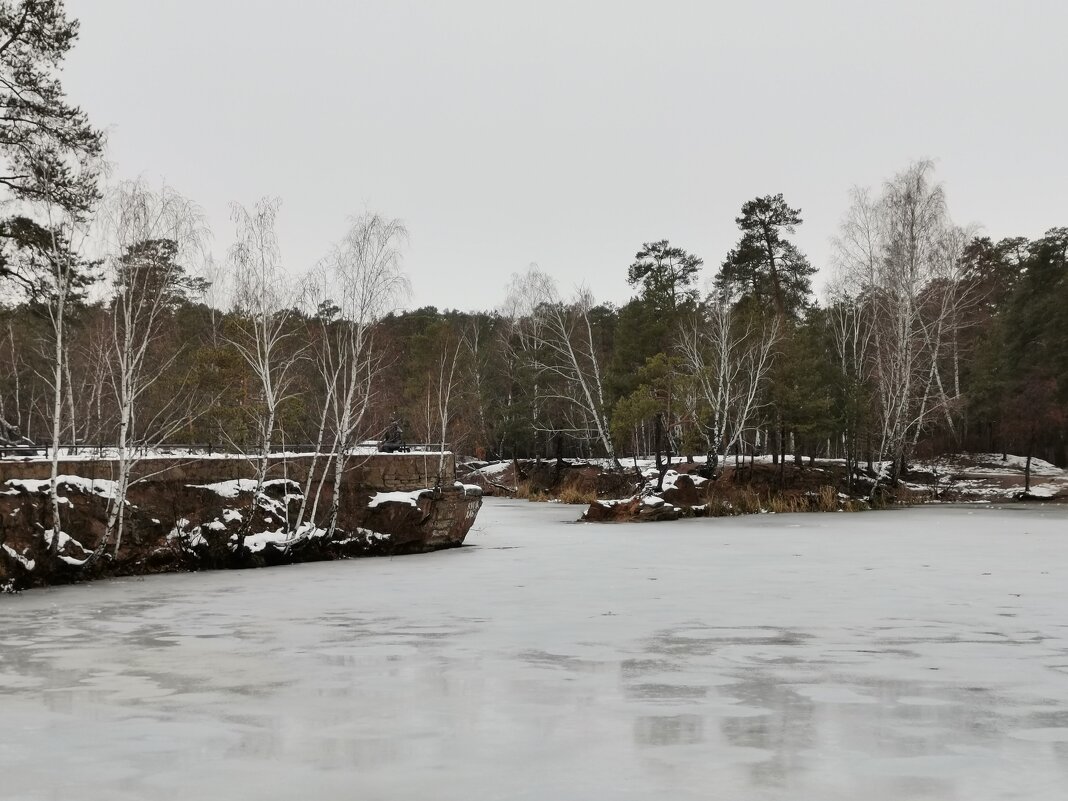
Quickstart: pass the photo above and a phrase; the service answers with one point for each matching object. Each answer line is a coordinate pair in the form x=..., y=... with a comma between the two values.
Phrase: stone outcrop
x=187, y=514
x=647, y=509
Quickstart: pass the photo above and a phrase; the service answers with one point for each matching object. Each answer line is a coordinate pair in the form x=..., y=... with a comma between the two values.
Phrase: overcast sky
x=568, y=133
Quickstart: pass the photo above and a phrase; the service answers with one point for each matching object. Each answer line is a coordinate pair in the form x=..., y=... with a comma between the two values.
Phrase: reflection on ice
x=669, y=729
x=917, y=654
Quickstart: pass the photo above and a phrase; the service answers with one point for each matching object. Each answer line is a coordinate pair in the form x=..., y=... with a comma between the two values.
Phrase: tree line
x=119, y=329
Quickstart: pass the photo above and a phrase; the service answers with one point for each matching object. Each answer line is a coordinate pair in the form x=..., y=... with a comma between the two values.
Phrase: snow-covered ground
x=909, y=654
x=992, y=476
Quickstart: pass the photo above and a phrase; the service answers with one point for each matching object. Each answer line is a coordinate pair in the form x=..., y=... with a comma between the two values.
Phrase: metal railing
x=189, y=449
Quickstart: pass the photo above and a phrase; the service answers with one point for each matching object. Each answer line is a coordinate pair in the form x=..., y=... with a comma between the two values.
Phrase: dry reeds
x=570, y=494
x=725, y=499
x=577, y=495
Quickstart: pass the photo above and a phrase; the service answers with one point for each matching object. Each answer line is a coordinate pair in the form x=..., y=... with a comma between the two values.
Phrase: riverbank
x=688, y=489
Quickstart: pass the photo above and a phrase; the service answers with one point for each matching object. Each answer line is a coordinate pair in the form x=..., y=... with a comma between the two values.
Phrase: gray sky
x=568, y=133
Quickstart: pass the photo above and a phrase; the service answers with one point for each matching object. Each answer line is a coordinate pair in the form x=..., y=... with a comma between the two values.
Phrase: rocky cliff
x=193, y=514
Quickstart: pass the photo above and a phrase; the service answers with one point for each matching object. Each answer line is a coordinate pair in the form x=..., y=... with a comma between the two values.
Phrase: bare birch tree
x=152, y=236
x=360, y=281
x=59, y=267
x=262, y=312
x=560, y=338
x=900, y=286
x=478, y=355
x=68, y=234
x=729, y=359
x=439, y=397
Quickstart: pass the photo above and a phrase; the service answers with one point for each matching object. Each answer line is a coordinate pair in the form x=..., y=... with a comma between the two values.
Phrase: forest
x=120, y=330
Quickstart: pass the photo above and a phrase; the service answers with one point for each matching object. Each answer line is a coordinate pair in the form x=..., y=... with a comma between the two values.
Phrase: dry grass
x=731, y=499
x=723, y=499
x=787, y=503
x=910, y=496
x=577, y=495
x=526, y=491
x=569, y=494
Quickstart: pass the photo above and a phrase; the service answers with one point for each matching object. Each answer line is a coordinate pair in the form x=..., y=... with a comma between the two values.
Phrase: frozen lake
x=910, y=654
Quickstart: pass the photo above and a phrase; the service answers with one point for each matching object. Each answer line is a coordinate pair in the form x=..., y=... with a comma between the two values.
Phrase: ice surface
x=908, y=654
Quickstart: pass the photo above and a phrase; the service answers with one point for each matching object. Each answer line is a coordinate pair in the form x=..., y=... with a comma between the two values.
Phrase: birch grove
x=901, y=302
x=729, y=359
x=359, y=282
x=561, y=342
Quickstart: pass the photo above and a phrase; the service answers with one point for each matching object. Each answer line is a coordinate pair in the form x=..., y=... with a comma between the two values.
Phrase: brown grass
x=577, y=495
x=569, y=494
x=526, y=491
x=727, y=498
x=745, y=492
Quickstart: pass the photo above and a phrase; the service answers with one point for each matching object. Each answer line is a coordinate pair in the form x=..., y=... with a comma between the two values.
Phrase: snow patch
x=410, y=498
x=29, y=564
x=228, y=489
x=494, y=469
x=257, y=542
x=103, y=487
x=370, y=535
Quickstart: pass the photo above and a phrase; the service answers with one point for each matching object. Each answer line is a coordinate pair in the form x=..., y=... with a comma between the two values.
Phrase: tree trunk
x=1027, y=465
x=57, y=420
x=661, y=468
x=782, y=458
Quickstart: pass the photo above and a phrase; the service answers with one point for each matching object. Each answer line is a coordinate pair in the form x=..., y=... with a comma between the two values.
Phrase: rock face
x=648, y=509
x=438, y=519
x=679, y=497
x=204, y=514
x=682, y=492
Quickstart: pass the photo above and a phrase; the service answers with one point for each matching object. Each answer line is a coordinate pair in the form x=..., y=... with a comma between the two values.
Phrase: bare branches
x=151, y=238
x=262, y=311
x=357, y=284
x=557, y=337
x=900, y=299
x=729, y=358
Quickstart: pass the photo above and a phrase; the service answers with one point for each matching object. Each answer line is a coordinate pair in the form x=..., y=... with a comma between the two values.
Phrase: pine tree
x=47, y=146
x=764, y=267
x=666, y=275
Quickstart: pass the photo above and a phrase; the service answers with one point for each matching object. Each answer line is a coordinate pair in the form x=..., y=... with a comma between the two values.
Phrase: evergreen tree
x=666, y=278
x=1019, y=376
x=47, y=146
x=764, y=267
x=666, y=275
